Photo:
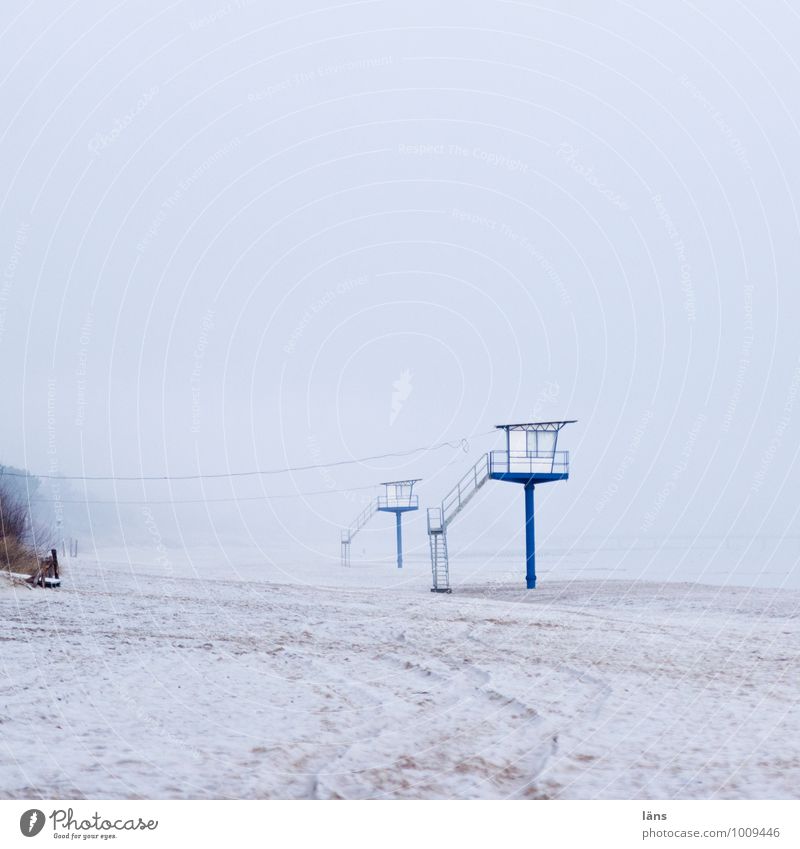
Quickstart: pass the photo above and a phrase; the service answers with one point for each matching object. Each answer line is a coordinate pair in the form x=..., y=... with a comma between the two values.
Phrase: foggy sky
x=231, y=230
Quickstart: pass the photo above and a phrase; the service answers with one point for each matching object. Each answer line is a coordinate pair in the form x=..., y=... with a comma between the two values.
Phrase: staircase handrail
x=463, y=491
x=363, y=517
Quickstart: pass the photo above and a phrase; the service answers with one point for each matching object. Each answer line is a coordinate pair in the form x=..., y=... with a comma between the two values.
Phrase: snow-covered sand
x=170, y=681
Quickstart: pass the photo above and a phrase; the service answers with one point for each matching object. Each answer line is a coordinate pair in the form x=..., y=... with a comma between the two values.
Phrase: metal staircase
x=440, y=517
x=438, y=543
x=358, y=523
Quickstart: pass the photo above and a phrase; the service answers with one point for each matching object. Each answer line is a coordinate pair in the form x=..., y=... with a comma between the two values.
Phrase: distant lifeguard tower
x=530, y=457
x=398, y=498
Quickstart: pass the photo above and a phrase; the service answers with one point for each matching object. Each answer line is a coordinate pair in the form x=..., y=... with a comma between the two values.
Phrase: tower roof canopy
x=397, y=483
x=536, y=425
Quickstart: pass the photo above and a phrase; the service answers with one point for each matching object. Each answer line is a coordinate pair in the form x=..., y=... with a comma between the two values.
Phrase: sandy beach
x=129, y=682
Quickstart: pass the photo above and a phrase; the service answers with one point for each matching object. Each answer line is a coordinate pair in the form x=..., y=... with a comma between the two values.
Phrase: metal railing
x=358, y=523
x=465, y=489
x=434, y=520
x=390, y=502
x=529, y=462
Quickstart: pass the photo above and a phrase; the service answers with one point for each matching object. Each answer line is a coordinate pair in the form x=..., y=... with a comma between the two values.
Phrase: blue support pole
x=399, y=516
x=530, y=541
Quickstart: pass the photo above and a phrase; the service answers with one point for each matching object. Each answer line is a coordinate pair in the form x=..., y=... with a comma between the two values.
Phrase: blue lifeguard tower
x=530, y=457
x=398, y=498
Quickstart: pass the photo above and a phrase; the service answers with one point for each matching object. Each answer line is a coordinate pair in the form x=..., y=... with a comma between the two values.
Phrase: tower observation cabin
x=398, y=498
x=530, y=457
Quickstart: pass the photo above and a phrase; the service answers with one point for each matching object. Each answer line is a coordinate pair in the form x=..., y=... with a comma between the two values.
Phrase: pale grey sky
x=230, y=228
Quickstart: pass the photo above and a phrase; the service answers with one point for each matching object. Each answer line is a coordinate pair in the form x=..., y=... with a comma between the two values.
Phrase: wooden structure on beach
x=46, y=575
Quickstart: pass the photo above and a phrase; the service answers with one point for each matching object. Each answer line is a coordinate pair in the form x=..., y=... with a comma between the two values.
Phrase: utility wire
x=200, y=500
x=459, y=443
x=206, y=500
